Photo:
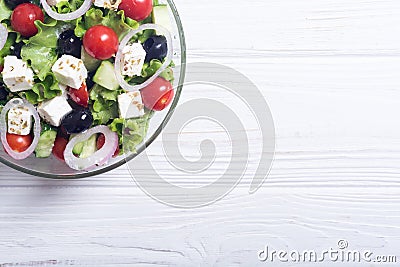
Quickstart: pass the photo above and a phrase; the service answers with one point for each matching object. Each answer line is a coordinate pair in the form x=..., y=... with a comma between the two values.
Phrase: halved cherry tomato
x=59, y=146
x=79, y=96
x=137, y=9
x=23, y=18
x=19, y=143
x=100, y=42
x=158, y=95
x=101, y=141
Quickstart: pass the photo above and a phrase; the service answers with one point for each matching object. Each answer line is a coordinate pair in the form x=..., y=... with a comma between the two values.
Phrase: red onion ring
x=100, y=157
x=3, y=36
x=125, y=41
x=69, y=16
x=13, y=103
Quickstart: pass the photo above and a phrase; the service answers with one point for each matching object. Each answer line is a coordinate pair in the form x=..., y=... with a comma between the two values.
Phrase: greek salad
x=80, y=79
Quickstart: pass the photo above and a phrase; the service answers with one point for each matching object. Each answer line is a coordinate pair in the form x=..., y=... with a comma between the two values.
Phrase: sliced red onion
x=120, y=57
x=69, y=16
x=14, y=103
x=3, y=36
x=100, y=157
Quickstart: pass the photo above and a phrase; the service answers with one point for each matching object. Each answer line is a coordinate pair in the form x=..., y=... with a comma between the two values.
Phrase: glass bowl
x=54, y=168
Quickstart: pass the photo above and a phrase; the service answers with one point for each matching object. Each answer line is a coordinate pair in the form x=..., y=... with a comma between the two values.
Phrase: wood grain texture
x=329, y=70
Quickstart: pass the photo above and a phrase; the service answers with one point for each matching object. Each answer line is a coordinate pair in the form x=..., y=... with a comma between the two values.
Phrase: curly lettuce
x=65, y=7
x=48, y=32
x=6, y=49
x=5, y=12
x=131, y=132
x=40, y=58
x=104, y=104
x=43, y=90
x=110, y=18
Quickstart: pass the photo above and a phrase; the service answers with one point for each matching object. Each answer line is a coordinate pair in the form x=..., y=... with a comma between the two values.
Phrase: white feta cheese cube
x=110, y=4
x=130, y=105
x=17, y=76
x=70, y=71
x=133, y=60
x=19, y=121
x=54, y=2
x=54, y=110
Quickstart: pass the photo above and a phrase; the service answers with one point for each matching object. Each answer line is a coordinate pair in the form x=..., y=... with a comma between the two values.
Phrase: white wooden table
x=330, y=71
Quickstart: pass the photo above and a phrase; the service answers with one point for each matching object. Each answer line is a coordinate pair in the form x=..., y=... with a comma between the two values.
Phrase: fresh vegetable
x=46, y=142
x=3, y=92
x=69, y=16
x=158, y=95
x=90, y=62
x=59, y=147
x=69, y=44
x=80, y=96
x=86, y=148
x=16, y=49
x=16, y=103
x=156, y=47
x=14, y=3
x=119, y=59
x=100, y=42
x=77, y=121
x=23, y=18
x=105, y=76
x=161, y=16
x=101, y=140
x=19, y=143
x=100, y=157
x=137, y=9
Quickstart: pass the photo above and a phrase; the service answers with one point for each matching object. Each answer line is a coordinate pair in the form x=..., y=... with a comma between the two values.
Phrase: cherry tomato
x=80, y=96
x=59, y=146
x=100, y=42
x=137, y=9
x=158, y=95
x=23, y=18
x=101, y=141
x=1, y=68
x=19, y=143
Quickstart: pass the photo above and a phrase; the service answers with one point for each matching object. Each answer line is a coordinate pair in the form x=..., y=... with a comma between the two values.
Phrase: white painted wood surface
x=330, y=71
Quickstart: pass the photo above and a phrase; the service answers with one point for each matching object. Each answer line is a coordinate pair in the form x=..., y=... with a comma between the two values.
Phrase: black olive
x=156, y=47
x=3, y=92
x=14, y=3
x=16, y=49
x=77, y=121
x=69, y=44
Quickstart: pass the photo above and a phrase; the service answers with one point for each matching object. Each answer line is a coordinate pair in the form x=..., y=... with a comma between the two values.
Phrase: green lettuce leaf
x=131, y=132
x=5, y=12
x=43, y=90
x=110, y=18
x=6, y=49
x=104, y=104
x=47, y=35
x=64, y=7
x=40, y=58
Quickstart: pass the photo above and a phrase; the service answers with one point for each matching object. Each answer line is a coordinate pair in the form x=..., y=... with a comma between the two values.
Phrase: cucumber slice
x=105, y=76
x=89, y=147
x=86, y=148
x=90, y=62
x=46, y=143
x=162, y=17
